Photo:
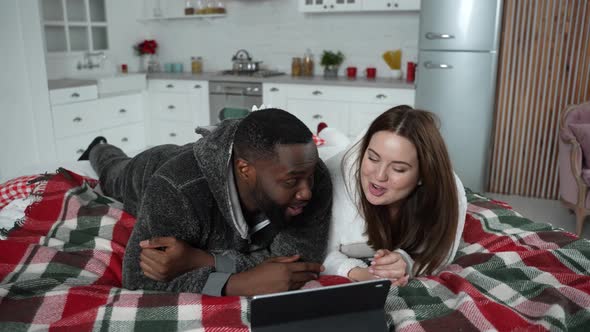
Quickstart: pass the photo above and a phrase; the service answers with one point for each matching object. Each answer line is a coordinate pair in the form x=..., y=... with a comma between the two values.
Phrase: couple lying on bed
x=247, y=209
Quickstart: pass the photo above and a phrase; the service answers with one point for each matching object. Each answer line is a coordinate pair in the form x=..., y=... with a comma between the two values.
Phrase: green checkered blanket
x=62, y=270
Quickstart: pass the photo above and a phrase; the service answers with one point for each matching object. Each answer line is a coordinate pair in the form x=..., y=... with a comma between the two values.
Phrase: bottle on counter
x=196, y=64
x=296, y=66
x=188, y=8
x=307, y=63
x=200, y=7
x=220, y=7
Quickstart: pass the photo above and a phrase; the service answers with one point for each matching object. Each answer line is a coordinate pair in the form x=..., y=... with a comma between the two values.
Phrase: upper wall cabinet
x=318, y=6
x=74, y=25
x=326, y=6
x=377, y=5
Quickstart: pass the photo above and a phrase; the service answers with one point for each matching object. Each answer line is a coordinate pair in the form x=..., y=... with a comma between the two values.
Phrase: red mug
x=371, y=73
x=411, y=73
x=351, y=72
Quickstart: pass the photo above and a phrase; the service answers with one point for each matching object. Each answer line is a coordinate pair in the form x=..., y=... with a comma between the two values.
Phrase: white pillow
x=334, y=137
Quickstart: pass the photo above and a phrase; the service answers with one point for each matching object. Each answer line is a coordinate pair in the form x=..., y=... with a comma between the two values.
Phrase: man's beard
x=274, y=212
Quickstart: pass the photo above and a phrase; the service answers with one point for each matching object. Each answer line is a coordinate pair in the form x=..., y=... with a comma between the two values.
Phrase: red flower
x=146, y=47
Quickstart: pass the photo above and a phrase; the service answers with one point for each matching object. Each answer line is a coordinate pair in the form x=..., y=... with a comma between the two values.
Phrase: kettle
x=242, y=62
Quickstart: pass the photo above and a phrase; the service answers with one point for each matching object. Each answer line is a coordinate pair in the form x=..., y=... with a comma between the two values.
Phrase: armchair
x=574, y=161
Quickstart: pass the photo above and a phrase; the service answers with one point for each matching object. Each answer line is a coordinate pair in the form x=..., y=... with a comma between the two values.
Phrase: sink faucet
x=88, y=60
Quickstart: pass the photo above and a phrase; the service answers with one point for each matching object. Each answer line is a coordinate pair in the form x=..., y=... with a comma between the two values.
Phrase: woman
x=398, y=208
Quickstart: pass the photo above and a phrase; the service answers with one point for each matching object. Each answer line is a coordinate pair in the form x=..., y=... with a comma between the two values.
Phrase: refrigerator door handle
x=433, y=35
x=431, y=65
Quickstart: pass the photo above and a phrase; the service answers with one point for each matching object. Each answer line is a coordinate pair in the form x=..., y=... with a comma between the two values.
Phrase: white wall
x=123, y=32
x=274, y=31
x=25, y=122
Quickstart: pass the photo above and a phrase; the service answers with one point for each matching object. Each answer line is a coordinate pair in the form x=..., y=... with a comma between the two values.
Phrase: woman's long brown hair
x=426, y=222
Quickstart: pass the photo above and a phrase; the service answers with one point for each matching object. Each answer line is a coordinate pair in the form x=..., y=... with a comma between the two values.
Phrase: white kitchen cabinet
x=175, y=132
x=129, y=138
x=274, y=95
x=312, y=112
x=73, y=95
x=348, y=109
x=391, y=5
x=328, y=6
x=75, y=124
x=177, y=107
x=319, y=6
x=361, y=116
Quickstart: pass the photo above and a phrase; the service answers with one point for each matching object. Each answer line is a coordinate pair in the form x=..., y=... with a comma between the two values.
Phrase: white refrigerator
x=456, y=78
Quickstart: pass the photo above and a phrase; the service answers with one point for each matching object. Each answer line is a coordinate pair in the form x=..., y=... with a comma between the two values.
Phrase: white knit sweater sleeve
x=344, y=216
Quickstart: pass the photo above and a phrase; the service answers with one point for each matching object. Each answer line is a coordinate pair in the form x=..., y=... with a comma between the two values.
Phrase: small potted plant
x=331, y=62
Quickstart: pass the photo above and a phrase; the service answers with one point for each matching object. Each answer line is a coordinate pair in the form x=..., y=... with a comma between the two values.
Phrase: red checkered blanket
x=62, y=270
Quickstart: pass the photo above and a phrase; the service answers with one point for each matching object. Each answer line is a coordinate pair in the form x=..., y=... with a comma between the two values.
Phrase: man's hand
x=164, y=258
x=389, y=265
x=278, y=274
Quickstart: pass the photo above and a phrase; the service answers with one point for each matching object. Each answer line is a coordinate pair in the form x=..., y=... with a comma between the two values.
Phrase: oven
x=232, y=96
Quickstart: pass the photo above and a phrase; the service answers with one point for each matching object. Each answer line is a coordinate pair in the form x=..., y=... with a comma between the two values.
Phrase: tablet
x=357, y=306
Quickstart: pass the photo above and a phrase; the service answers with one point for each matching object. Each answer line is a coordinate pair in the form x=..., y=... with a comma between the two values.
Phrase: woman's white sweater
x=347, y=244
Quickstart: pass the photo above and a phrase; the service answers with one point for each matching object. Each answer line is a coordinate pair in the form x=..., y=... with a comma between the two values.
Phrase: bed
x=60, y=268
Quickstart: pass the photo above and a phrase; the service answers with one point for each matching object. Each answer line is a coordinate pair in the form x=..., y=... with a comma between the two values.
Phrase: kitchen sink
x=108, y=84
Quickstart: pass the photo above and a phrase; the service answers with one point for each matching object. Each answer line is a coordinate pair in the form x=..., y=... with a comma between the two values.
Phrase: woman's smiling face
x=389, y=168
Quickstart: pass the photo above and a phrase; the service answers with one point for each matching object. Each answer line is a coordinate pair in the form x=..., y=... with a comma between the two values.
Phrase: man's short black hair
x=260, y=131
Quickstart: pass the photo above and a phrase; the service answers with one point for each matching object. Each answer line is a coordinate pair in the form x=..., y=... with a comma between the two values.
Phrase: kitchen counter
x=65, y=83
x=284, y=79
x=287, y=79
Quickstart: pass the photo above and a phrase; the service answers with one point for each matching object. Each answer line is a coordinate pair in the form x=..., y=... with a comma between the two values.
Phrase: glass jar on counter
x=200, y=7
x=220, y=7
x=196, y=64
x=308, y=64
x=188, y=8
x=296, y=66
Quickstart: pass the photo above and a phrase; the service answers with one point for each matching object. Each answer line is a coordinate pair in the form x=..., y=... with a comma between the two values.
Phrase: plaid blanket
x=62, y=270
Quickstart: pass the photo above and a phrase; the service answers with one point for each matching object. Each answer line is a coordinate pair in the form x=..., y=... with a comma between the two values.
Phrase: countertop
x=283, y=79
x=65, y=83
x=288, y=79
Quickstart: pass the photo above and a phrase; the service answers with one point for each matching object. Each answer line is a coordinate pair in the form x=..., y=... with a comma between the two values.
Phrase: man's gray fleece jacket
x=182, y=191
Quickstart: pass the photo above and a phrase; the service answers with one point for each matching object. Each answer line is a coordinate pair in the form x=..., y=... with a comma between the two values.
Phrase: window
x=74, y=25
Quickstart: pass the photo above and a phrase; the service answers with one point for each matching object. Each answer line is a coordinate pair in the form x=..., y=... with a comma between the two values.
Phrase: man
x=231, y=214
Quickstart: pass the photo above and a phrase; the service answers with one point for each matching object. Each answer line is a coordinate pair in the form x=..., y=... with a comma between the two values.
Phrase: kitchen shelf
x=183, y=17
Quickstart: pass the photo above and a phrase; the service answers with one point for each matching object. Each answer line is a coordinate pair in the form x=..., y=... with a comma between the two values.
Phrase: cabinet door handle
x=197, y=86
x=170, y=86
x=122, y=111
x=171, y=107
x=77, y=119
x=381, y=96
x=172, y=134
x=432, y=65
x=389, y=4
x=434, y=35
x=317, y=93
x=124, y=139
x=317, y=116
x=274, y=89
x=75, y=95
x=80, y=151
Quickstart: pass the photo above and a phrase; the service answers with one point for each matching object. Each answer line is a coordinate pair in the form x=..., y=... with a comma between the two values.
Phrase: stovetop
x=259, y=73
